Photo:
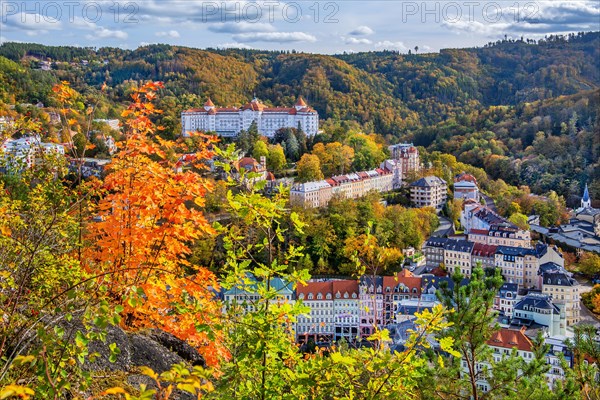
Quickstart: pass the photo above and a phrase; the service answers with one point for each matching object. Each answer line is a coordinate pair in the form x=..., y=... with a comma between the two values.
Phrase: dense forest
x=525, y=110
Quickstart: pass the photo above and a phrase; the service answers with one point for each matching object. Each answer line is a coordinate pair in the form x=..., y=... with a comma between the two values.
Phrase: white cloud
x=353, y=40
x=173, y=34
x=241, y=27
x=234, y=45
x=535, y=19
x=279, y=37
x=31, y=22
x=389, y=45
x=105, y=33
x=361, y=31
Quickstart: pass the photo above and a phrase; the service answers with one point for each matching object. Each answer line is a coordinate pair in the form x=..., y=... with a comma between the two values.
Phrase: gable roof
x=510, y=339
x=429, y=181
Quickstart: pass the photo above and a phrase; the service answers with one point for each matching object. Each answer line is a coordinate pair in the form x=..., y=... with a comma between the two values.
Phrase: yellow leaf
x=5, y=231
x=16, y=391
x=149, y=372
x=114, y=390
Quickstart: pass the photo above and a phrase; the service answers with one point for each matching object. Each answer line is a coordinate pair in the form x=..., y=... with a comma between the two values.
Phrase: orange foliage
x=149, y=220
x=596, y=302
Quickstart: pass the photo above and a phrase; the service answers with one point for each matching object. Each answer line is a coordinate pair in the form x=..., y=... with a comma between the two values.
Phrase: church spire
x=586, y=202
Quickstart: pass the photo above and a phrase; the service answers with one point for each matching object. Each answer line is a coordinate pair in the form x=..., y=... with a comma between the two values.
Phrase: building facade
x=504, y=234
x=230, y=121
x=408, y=156
x=564, y=290
x=465, y=187
x=430, y=191
x=348, y=186
x=24, y=153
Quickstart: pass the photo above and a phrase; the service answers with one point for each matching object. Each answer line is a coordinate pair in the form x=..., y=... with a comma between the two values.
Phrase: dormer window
x=346, y=295
x=353, y=295
x=328, y=297
x=301, y=296
x=310, y=296
x=319, y=296
x=337, y=295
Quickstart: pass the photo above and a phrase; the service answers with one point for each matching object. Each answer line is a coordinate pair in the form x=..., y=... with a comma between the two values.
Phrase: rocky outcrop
x=155, y=349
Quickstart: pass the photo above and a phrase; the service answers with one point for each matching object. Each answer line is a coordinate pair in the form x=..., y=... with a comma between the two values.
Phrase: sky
x=309, y=26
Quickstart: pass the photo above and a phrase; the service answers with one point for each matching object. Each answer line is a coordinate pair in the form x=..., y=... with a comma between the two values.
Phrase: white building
x=334, y=310
x=430, y=191
x=23, y=153
x=349, y=186
x=230, y=121
x=538, y=308
x=465, y=187
x=247, y=297
x=564, y=290
x=408, y=157
x=466, y=190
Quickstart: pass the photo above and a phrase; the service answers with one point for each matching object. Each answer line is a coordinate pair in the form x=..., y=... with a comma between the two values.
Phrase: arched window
x=319, y=296
x=337, y=295
x=328, y=297
x=310, y=296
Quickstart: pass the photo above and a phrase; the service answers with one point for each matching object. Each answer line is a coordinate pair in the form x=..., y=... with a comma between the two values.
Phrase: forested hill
x=502, y=73
x=456, y=100
x=389, y=92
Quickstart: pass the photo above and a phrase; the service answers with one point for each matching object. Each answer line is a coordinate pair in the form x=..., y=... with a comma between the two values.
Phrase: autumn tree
x=335, y=157
x=149, y=218
x=309, y=168
x=368, y=154
x=520, y=220
x=260, y=150
x=589, y=263
x=276, y=158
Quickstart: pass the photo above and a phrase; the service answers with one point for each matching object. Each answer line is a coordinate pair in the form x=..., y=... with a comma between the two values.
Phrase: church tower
x=586, y=202
x=300, y=104
x=209, y=105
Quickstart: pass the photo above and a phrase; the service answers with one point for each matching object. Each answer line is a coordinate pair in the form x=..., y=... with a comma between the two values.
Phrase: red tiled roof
x=209, y=103
x=509, y=339
x=249, y=164
x=301, y=102
x=314, y=288
x=345, y=286
x=405, y=278
x=484, y=250
x=479, y=231
x=465, y=177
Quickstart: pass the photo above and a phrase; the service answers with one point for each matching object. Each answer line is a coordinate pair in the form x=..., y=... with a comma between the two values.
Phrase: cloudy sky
x=312, y=26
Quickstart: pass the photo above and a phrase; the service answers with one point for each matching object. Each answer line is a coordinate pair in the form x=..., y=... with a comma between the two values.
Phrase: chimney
x=263, y=162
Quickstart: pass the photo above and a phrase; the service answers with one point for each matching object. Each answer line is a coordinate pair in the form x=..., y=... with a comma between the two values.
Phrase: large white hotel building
x=230, y=121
